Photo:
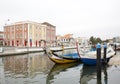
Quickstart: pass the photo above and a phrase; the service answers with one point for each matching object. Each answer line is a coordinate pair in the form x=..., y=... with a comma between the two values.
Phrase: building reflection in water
x=2, y=75
x=37, y=68
x=28, y=65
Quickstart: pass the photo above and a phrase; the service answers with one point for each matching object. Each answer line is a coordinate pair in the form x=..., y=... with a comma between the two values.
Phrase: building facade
x=83, y=41
x=26, y=33
x=66, y=40
x=116, y=39
x=1, y=38
x=49, y=34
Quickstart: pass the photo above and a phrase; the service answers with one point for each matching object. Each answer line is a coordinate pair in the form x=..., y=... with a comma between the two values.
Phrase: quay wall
x=8, y=51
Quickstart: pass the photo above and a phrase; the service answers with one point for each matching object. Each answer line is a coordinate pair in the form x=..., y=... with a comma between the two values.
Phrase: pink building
x=50, y=34
x=28, y=33
x=1, y=38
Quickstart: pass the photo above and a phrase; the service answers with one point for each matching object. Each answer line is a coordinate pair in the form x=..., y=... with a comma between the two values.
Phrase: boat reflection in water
x=61, y=73
x=89, y=75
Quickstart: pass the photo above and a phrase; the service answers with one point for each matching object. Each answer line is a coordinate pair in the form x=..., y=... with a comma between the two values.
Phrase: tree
x=94, y=40
x=98, y=40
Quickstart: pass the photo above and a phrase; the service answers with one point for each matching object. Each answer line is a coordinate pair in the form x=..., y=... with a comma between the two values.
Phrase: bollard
x=62, y=49
x=98, y=54
x=105, y=49
x=98, y=63
x=115, y=49
x=44, y=49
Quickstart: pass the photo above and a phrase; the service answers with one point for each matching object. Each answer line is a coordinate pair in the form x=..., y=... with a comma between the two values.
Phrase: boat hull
x=91, y=58
x=88, y=61
x=61, y=59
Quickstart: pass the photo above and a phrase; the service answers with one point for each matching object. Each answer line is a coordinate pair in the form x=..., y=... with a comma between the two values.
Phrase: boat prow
x=60, y=59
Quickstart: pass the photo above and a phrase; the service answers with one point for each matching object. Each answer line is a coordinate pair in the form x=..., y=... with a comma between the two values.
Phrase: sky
x=82, y=18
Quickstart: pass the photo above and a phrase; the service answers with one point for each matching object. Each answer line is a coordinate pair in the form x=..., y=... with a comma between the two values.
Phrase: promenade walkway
x=115, y=60
x=19, y=50
x=24, y=50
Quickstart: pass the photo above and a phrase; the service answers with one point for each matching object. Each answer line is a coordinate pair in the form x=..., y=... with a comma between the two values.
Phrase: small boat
x=90, y=57
x=62, y=59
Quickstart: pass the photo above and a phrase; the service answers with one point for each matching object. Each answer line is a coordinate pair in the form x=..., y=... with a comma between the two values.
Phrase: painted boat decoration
x=62, y=59
x=90, y=57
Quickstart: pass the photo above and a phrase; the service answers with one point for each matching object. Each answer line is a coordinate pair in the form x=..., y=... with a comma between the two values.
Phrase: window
x=25, y=36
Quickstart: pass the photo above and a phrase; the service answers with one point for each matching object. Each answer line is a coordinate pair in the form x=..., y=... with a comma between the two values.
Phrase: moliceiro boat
x=90, y=57
x=62, y=59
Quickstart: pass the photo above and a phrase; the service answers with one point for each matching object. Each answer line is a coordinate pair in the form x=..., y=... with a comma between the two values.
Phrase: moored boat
x=90, y=58
x=62, y=59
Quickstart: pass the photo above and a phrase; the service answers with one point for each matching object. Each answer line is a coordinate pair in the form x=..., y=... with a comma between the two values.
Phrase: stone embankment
x=8, y=51
x=115, y=60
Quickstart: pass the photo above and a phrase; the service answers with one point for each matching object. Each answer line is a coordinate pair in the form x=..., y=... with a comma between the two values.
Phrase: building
x=49, y=34
x=83, y=41
x=66, y=40
x=116, y=39
x=28, y=33
x=1, y=38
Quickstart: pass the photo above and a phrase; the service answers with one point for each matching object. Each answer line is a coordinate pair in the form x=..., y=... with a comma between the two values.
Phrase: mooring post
x=98, y=63
x=98, y=53
x=115, y=48
x=105, y=49
x=44, y=49
x=62, y=49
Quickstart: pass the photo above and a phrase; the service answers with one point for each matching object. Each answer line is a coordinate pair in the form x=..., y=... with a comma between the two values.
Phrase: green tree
x=98, y=40
x=94, y=40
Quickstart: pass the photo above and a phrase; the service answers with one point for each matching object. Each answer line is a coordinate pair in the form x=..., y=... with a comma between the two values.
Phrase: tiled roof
x=1, y=32
x=48, y=24
x=67, y=36
x=21, y=22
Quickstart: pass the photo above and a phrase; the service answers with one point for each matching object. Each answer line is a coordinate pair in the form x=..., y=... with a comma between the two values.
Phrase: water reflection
x=105, y=74
x=38, y=69
x=2, y=75
x=57, y=69
x=26, y=66
x=89, y=74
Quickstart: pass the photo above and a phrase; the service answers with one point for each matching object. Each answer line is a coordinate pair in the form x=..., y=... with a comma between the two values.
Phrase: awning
x=1, y=39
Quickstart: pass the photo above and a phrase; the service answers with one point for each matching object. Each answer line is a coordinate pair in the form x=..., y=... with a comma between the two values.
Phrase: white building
x=83, y=41
x=116, y=39
x=66, y=40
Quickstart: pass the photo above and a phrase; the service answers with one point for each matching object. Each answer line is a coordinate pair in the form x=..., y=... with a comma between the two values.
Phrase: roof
x=48, y=24
x=23, y=22
x=1, y=32
x=67, y=36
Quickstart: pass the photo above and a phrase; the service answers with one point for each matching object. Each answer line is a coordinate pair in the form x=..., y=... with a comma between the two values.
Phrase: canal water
x=36, y=68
